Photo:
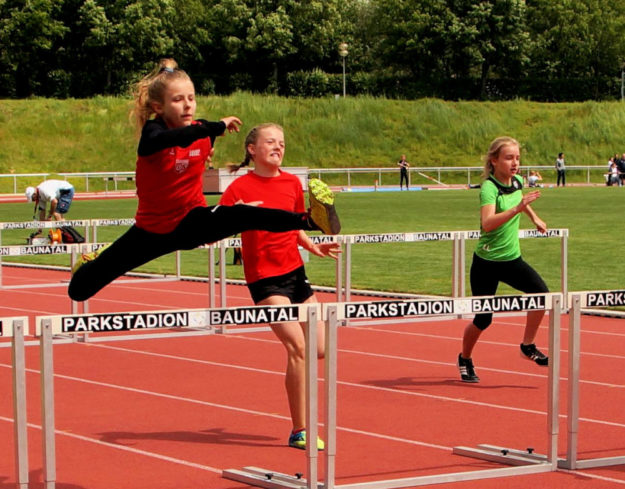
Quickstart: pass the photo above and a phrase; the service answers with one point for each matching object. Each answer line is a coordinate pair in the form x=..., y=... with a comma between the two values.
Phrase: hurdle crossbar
x=16, y=328
x=579, y=301
x=523, y=462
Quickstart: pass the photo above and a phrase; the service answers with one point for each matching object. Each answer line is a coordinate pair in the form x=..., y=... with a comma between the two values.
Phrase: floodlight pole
x=343, y=53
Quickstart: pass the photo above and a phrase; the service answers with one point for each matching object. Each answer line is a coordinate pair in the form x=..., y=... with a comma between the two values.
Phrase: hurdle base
x=268, y=479
x=506, y=456
x=591, y=463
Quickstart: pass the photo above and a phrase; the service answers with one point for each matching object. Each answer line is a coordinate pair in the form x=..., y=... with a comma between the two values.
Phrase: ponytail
x=151, y=88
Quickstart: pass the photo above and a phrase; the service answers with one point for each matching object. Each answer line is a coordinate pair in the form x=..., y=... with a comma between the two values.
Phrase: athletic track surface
x=172, y=412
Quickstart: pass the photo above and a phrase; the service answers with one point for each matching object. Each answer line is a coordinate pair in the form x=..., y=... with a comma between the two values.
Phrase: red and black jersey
x=170, y=165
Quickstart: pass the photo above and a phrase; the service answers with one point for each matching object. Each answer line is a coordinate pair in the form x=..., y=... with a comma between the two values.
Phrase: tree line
x=545, y=50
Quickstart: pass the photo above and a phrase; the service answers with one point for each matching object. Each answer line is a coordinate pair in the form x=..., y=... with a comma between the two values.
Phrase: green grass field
x=592, y=214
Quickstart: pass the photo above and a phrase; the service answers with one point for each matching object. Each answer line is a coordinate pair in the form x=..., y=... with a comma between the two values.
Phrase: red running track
x=172, y=412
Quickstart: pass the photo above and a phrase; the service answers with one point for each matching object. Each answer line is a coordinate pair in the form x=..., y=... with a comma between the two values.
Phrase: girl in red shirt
x=274, y=270
x=172, y=213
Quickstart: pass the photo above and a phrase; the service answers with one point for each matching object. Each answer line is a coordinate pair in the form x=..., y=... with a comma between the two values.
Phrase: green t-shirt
x=501, y=244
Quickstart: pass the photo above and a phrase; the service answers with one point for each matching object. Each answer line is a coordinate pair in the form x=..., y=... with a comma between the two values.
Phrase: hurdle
x=521, y=462
x=16, y=328
x=459, y=256
x=579, y=300
x=218, y=319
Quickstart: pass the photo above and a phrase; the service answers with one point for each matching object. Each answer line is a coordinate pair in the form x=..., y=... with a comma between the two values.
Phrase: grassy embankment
x=42, y=135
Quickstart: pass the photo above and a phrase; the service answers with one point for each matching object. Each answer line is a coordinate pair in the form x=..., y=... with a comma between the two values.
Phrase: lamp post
x=343, y=54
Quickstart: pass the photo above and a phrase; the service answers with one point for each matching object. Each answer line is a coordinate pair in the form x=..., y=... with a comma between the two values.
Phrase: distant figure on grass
x=497, y=257
x=561, y=169
x=57, y=193
x=403, y=171
x=172, y=213
x=274, y=269
x=534, y=179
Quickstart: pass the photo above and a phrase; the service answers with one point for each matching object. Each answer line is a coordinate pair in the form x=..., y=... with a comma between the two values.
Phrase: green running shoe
x=298, y=440
x=322, y=210
x=85, y=257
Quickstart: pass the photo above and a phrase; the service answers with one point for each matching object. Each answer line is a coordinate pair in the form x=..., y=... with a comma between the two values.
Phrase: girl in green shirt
x=497, y=257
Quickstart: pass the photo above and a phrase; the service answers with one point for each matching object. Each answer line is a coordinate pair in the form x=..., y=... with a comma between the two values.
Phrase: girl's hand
x=232, y=123
x=540, y=225
x=326, y=249
x=255, y=203
x=528, y=198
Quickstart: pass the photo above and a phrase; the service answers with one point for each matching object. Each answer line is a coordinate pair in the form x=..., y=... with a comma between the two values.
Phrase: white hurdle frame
x=16, y=328
x=579, y=300
x=47, y=327
x=522, y=462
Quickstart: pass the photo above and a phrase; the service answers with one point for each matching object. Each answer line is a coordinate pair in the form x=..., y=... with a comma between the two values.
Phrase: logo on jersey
x=181, y=165
x=194, y=152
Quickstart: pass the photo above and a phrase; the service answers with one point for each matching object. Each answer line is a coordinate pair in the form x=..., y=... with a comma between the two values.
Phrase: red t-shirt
x=170, y=166
x=267, y=254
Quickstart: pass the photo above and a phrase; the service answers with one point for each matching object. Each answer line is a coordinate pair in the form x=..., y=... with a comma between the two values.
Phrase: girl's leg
x=484, y=281
x=523, y=277
x=210, y=224
x=133, y=249
x=292, y=335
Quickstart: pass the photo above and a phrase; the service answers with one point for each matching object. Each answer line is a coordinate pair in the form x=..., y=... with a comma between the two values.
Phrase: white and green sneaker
x=322, y=210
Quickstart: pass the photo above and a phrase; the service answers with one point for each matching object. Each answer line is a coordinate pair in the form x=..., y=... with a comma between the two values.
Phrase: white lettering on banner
x=1, y=329
x=605, y=299
x=5, y=251
x=432, y=236
x=509, y=303
x=322, y=239
x=379, y=238
x=474, y=234
x=114, y=222
x=398, y=309
x=120, y=322
x=534, y=233
x=233, y=243
x=254, y=315
x=43, y=250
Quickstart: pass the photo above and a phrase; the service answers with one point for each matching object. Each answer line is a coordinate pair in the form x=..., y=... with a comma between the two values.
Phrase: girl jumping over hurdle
x=274, y=270
x=497, y=257
x=172, y=213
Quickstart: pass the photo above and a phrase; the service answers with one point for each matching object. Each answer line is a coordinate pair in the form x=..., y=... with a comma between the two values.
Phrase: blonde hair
x=251, y=138
x=493, y=153
x=151, y=88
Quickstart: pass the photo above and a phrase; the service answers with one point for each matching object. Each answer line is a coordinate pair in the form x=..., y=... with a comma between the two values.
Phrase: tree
x=577, y=39
x=29, y=31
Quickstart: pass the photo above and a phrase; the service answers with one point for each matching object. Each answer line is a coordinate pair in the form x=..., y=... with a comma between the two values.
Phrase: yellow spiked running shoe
x=298, y=440
x=85, y=257
x=322, y=210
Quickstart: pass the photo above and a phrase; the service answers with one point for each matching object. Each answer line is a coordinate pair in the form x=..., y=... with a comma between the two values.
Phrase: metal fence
x=382, y=176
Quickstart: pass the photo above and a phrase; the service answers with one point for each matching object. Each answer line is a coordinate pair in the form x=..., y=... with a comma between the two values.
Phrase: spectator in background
x=620, y=164
x=58, y=193
x=561, y=169
x=403, y=171
x=534, y=178
x=613, y=176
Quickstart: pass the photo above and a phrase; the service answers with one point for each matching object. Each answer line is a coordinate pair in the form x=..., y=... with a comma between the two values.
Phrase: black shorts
x=294, y=285
x=486, y=275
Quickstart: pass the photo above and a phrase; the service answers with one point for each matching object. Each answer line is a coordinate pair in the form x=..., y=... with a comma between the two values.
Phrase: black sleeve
x=155, y=135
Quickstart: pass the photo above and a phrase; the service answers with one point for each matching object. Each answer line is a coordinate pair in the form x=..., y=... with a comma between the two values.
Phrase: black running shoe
x=467, y=372
x=530, y=352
